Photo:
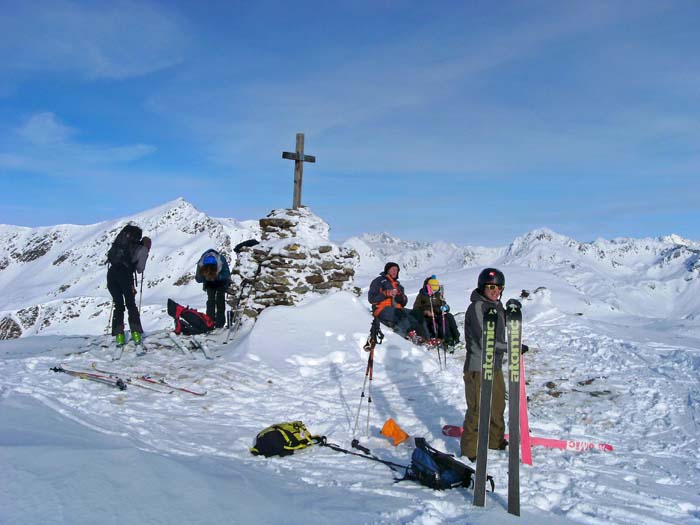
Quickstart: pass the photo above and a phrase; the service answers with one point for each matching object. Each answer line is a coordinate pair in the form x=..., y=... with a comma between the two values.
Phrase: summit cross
x=299, y=158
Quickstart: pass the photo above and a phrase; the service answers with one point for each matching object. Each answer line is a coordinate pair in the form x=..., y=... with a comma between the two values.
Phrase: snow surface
x=611, y=361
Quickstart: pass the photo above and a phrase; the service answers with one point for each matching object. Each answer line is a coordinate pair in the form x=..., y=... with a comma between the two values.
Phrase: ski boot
x=414, y=338
x=120, y=339
x=138, y=343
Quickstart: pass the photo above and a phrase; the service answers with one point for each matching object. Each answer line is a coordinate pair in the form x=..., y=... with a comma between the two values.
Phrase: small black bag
x=189, y=321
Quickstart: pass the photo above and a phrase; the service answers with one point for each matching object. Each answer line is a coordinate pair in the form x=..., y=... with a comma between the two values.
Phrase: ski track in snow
x=641, y=397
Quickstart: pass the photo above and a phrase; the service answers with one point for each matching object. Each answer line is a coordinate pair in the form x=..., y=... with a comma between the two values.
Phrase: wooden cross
x=299, y=158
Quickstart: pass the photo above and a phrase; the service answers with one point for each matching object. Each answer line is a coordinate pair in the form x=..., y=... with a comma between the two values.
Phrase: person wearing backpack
x=214, y=273
x=127, y=257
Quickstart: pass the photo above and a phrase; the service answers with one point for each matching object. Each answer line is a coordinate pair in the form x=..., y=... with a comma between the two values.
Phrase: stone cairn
x=294, y=259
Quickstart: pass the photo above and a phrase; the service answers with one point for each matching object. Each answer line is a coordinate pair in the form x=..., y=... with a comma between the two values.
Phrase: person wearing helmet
x=214, y=273
x=389, y=304
x=430, y=305
x=488, y=293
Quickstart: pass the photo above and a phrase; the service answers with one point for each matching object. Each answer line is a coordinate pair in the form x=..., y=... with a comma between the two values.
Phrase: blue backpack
x=439, y=470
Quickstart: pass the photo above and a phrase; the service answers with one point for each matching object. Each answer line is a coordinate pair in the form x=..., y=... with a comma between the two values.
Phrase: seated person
x=388, y=304
x=430, y=303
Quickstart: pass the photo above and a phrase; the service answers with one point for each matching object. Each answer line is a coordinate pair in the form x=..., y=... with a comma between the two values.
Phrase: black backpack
x=189, y=321
x=122, y=250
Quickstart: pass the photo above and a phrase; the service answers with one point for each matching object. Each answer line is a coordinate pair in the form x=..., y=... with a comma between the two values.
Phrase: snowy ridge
x=52, y=279
x=415, y=258
x=648, y=277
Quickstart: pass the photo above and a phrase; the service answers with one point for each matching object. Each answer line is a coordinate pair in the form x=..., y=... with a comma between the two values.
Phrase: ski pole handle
x=356, y=444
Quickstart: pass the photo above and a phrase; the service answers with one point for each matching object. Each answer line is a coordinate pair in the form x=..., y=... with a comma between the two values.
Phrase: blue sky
x=471, y=121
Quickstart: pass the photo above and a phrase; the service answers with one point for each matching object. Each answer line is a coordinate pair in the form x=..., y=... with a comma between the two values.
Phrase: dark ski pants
x=450, y=334
x=121, y=286
x=472, y=388
x=216, y=303
x=402, y=321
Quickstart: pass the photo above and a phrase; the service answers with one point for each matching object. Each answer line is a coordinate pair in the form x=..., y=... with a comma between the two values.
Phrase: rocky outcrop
x=294, y=259
x=9, y=329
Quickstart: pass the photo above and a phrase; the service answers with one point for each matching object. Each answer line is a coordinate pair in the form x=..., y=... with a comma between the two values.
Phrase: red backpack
x=189, y=321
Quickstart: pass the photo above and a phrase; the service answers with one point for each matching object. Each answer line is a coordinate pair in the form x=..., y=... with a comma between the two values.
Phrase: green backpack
x=283, y=439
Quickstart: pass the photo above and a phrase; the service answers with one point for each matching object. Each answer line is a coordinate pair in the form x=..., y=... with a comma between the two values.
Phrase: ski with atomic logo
x=488, y=356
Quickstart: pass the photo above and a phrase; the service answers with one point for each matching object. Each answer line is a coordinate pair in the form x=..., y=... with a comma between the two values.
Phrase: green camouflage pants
x=472, y=388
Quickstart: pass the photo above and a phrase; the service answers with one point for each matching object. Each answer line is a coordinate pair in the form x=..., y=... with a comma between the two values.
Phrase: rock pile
x=294, y=258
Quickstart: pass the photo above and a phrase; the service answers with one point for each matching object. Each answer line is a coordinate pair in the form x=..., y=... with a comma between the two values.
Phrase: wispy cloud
x=417, y=101
x=112, y=40
x=44, y=128
x=43, y=144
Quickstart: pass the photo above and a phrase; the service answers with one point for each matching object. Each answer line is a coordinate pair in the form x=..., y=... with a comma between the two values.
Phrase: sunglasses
x=494, y=287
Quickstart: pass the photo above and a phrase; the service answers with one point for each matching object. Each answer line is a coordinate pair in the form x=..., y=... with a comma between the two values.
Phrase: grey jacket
x=474, y=329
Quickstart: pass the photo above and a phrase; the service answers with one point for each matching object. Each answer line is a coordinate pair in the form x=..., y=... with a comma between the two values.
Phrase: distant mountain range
x=53, y=279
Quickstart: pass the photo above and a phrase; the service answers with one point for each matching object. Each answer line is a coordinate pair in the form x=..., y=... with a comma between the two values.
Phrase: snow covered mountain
x=52, y=279
x=614, y=357
x=647, y=277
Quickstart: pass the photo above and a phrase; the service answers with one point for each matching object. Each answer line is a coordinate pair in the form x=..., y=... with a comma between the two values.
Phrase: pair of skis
x=198, y=343
x=159, y=384
x=488, y=359
x=115, y=382
x=121, y=381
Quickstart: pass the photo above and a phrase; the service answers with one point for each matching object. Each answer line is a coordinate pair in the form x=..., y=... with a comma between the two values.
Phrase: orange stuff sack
x=394, y=432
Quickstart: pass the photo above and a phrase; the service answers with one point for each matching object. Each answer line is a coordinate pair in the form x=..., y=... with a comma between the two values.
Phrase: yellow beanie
x=434, y=284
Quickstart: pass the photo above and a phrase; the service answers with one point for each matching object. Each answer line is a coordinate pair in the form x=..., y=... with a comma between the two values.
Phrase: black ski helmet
x=491, y=276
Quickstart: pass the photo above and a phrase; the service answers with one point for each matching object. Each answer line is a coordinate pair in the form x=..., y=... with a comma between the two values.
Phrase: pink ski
x=569, y=444
x=564, y=444
x=525, y=439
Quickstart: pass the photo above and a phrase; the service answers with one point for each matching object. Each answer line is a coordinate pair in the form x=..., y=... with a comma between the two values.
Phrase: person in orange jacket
x=389, y=304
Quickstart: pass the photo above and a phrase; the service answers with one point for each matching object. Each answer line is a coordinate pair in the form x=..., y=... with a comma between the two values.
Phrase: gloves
x=524, y=348
x=444, y=308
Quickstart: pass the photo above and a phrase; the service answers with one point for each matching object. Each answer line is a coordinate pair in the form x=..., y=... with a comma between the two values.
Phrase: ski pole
x=429, y=290
x=443, y=313
x=141, y=291
x=369, y=391
x=368, y=374
x=375, y=338
x=109, y=320
x=430, y=295
x=111, y=306
x=235, y=323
